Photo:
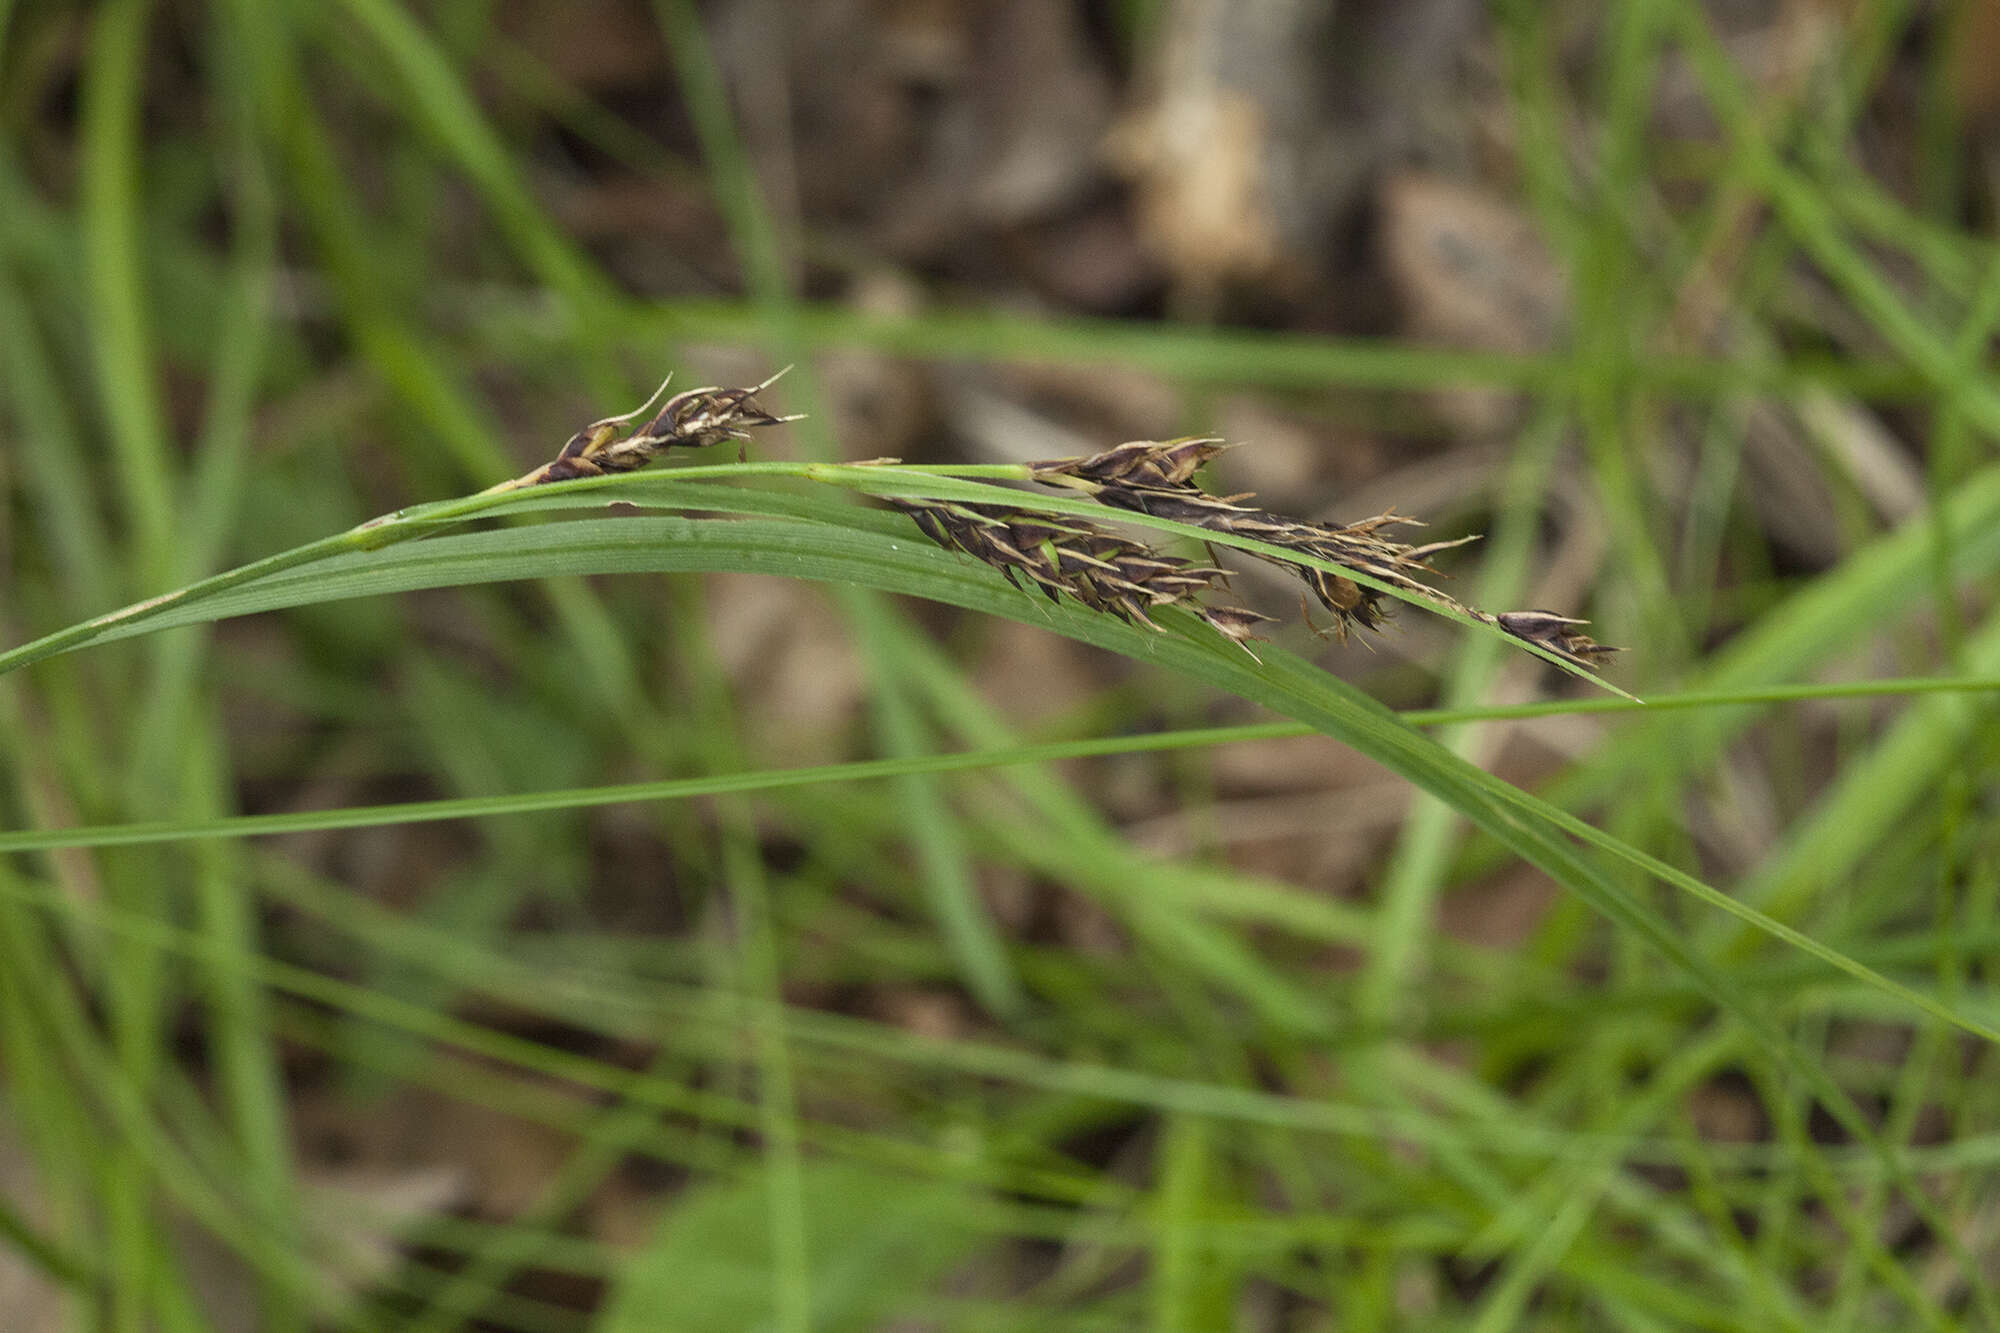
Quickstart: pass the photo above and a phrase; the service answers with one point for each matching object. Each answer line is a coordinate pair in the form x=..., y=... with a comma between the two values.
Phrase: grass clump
x=692, y=897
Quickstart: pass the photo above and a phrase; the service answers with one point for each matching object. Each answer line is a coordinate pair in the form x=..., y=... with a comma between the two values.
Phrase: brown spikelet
x=1103, y=570
x=690, y=420
x=1557, y=634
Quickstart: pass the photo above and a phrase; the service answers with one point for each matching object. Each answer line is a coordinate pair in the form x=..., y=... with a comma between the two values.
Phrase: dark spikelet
x=690, y=420
x=1101, y=569
x=1557, y=634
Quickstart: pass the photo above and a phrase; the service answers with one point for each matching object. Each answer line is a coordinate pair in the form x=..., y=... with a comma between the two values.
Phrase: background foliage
x=602, y=932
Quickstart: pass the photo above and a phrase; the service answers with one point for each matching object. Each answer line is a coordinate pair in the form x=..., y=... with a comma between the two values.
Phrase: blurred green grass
x=1448, y=1133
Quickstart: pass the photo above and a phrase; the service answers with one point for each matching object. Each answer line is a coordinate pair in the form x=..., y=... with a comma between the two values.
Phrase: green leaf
x=876, y=1241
